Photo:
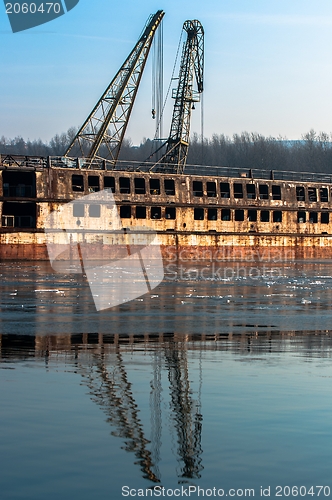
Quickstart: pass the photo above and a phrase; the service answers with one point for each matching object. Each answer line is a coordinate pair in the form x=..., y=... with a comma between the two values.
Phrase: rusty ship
x=198, y=212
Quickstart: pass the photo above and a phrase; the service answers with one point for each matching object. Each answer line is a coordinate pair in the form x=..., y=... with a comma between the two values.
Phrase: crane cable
x=202, y=128
x=157, y=79
x=169, y=87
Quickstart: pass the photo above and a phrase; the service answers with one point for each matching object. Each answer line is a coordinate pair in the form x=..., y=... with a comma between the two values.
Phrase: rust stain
x=236, y=218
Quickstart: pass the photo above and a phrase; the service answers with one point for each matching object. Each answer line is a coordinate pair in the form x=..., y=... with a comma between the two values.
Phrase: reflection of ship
x=200, y=212
x=105, y=374
x=111, y=390
x=104, y=364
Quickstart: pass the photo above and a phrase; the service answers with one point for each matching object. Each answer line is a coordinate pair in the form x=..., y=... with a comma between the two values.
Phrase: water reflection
x=150, y=388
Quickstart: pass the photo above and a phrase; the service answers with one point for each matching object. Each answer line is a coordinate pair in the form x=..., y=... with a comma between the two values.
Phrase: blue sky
x=268, y=66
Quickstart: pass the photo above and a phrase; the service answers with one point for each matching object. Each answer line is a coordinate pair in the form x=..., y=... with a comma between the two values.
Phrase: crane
x=101, y=135
x=192, y=64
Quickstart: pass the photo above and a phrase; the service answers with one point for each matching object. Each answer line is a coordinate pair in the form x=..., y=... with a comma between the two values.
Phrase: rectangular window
x=324, y=218
x=77, y=183
x=211, y=189
x=94, y=210
x=198, y=213
x=155, y=212
x=300, y=193
x=78, y=209
x=225, y=214
x=169, y=186
x=140, y=212
x=154, y=186
x=109, y=183
x=251, y=191
x=312, y=194
x=198, y=188
x=323, y=195
x=239, y=215
x=125, y=211
x=252, y=215
x=301, y=217
x=263, y=192
x=313, y=217
x=170, y=213
x=93, y=183
x=224, y=190
x=238, y=190
x=265, y=216
x=277, y=216
x=139, y=183
x=276, y=192
x=212, y=214
x=124, y=185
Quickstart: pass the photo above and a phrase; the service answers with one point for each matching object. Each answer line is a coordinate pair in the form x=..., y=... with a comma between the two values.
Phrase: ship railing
x=23, y=161
x=253, y=173
x=136, y=166
x=81, y=163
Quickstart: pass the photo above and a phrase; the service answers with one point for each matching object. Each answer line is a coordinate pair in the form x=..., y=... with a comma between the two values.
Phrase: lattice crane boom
x=192, y=65
x=102, y=133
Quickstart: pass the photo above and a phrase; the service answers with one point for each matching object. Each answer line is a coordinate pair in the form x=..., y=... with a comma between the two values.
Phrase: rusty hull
x=183, y=237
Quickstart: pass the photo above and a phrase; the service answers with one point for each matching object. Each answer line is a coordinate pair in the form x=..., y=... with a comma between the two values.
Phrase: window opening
x=312, y=194
x=211, y=189
x=170, y=213
x=265, y=216
x=325, y=217
x=300, y=193
x=225, y=214
x=252, y=215
x=313, y=217
x=125, y=211
x=93, y=183
x=139, y=183
x=238, y=190
x=124, y=185
x=198, y=213
x=276, y=192
x=251, y=191
x=224, y=190
x=277, y=216
x=109, y=183
x=77, y=183
x=154, y=186
x=169, y=186
x=301, y=217
x=239, y=215
x=323, y=195
x=263, y=192
x=212, y=214
x=155, y=212
x=198, y=188
x=140, y=212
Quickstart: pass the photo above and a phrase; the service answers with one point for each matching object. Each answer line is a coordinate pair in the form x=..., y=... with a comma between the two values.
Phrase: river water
x=219, y=379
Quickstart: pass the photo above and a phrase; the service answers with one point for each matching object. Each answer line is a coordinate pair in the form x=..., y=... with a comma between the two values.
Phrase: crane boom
x=102, y=133
x=192, y=65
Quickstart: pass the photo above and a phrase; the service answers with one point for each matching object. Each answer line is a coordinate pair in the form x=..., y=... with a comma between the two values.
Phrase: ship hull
x=191, y=247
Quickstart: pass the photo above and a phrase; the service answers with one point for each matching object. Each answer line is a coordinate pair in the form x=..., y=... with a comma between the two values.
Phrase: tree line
x=311, y=153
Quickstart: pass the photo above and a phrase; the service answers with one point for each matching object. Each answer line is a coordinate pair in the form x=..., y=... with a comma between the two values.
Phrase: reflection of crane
x=186, y=414
x=192, y=64
x=115, y=396
x=102, y=133
x=111, y=390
